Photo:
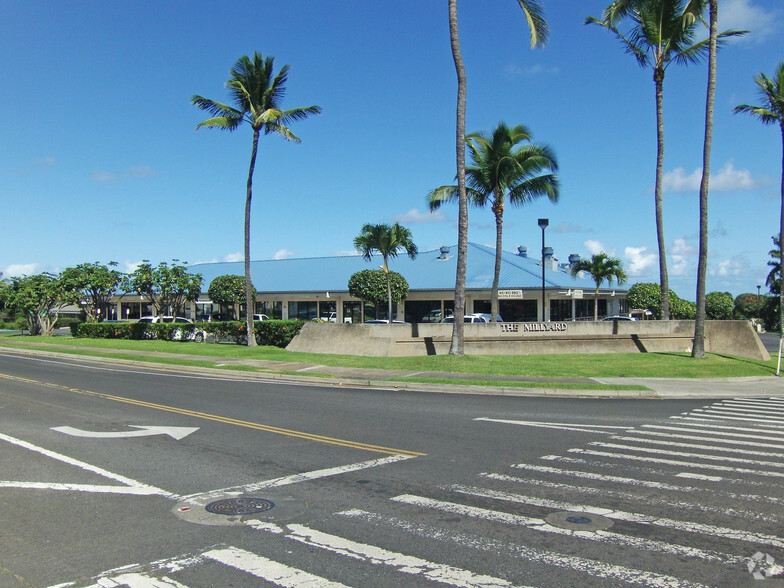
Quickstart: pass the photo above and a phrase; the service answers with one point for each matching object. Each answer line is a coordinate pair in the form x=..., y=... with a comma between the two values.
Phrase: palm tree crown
x=257, y=95
x=505, y=165
x=602, y=268
x=388, y=241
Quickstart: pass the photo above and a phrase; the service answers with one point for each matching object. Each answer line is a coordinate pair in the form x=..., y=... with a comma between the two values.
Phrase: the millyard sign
x=532, y=327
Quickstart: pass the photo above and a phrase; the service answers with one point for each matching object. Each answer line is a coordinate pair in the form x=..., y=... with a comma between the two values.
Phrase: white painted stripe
x=674, y=462
x=576, y=564
x=656, y=451
x=766, y=404
x=699, y=477
x=296, y=478
x=631, y=517
x=736, y=442
x=604, y=492
x=138, y=486
x=724, y=417
x=136, y=580
x=746, y=408
x=267, y=569
x=696, y=445
x=537, y=524
x=692, y=423
x=91, y=488
x=580, y=428
x=407, y=564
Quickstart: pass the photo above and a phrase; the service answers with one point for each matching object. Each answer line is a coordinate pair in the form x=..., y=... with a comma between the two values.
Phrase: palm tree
x=539, y=30
x=771, y=111
x=661, y=32
x=257, y=95
x=602, y=268
x=387, y=241
x=505, y=164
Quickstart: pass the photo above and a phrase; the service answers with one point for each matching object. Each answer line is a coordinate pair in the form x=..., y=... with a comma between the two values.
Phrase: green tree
x=257, y=94
x=647, y=295
x=661, y=32
x=602, y=268
x=773, y=280
x=388, y=241
x=748, y=306
x=93, y=285
x=769, y=112
x=376, y=285
x=167, y=287
x=539, y=30
x=506, y=165
x=719, y=306
x=228, y=290
x=39, y=298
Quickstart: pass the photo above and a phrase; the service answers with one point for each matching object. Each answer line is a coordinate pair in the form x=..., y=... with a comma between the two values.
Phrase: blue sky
x=101, y=160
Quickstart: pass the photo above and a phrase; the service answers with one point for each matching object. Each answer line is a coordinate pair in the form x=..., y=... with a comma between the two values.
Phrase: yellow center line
x=222, y=419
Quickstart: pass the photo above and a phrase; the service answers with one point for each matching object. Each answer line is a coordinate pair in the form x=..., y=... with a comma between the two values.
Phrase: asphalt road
x=269, y=484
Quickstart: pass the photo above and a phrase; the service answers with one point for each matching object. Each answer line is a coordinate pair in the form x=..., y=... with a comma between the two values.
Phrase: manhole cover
x=579, y=521
x=239, y=506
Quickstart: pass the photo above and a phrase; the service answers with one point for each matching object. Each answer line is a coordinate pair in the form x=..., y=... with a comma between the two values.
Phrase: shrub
x=719, y=306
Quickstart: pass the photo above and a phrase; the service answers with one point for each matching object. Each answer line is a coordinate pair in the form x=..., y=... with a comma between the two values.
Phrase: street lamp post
x=543, y=222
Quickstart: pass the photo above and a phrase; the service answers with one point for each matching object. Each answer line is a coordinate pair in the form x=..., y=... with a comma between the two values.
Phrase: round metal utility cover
x=239, y=506
x=579, y=521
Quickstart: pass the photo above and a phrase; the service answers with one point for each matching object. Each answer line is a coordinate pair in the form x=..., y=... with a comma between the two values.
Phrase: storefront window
x=304, y=311
x=273, y=309
x=352, y=312
x=561, y=310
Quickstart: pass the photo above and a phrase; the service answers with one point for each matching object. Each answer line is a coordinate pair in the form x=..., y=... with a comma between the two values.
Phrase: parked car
x=472, y=318
x=220, y=317
x=198, y=335
x=434, y=316
x=260, y=317
x=385, y=322
x=619, y=318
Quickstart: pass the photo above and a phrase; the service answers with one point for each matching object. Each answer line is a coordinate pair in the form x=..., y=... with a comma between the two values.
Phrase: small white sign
x=577, y=294
x=510, y=294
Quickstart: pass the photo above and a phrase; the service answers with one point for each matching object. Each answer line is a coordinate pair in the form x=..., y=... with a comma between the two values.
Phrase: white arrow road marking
x=142, y=431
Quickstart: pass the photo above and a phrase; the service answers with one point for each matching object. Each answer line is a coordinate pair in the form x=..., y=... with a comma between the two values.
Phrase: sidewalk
x=331, y=376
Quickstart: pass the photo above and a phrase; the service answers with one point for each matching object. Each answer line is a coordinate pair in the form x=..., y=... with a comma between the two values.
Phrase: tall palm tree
x=539, y=30
x=771, y=111
x=505, y=165
x=602, y=268
x=256, y=93
x=661, y=32
x=388, y=241
x=698, y=348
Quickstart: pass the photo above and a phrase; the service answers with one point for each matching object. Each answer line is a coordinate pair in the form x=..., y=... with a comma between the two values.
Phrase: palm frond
x=534, y=15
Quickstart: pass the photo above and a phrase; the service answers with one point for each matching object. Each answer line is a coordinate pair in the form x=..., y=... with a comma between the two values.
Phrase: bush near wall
x=276, y=333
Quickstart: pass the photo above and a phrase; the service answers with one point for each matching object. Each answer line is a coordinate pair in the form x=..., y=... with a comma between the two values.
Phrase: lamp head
x=543, y=222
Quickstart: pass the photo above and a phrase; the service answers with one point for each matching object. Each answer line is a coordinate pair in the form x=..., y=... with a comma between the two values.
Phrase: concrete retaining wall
x=728, y=337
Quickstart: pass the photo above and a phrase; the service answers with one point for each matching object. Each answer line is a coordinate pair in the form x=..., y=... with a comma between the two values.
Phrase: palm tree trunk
x=596, y=304
x=456, y=347
x=250, y=295
x=698, y=349
x=781, y=257
x=498, y=210
x=658, y=78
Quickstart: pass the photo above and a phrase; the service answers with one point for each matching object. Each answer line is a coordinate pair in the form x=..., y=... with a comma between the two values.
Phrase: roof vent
x=522, y=251
x=444, y=252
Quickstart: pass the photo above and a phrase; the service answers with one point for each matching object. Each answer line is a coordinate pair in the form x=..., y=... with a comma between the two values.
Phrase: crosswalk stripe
x=719, y=416
x=267, y=569
x=400, y=562
x=736, y=442
x=631, y=517
x=715, y=429
x=540, y=525
x=521, y=552
x=696, y=446
x=722, y=458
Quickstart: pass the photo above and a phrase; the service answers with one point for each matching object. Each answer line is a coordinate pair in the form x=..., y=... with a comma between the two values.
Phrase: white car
x=471, y=318
x=198, y=335
x=260, y=317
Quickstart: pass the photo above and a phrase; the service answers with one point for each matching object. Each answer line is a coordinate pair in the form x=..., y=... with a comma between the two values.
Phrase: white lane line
x=540, y=525
x=657, y=451
x=136, y=580
x=737, y=409
x=735, y=442
x=631, y=517
x=724, y=417
x=698, y=424
x=296, y=478
x=129, y=486
x=685, y=464
x=580, y=428
x=772, y=407
x=267, y=569
x=407, y=564
x=571, y=563
x=702, y=477
x=604, y=492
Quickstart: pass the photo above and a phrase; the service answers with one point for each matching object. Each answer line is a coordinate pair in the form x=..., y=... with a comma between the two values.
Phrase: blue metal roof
x=429, y=271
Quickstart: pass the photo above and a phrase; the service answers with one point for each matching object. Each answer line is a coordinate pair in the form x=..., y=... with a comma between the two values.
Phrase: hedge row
x=276, y=333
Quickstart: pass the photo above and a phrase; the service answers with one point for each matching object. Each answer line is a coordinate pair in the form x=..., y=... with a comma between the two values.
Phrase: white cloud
x=234, y=257
x=744, y=15
x=727, y=179
x=415, y=217
x=567, y=228
x=639, y=259
x=283, y=254
x=131, y=173
x=21, y=269
x=129, y=267
x=595, y=247
x=681, y=255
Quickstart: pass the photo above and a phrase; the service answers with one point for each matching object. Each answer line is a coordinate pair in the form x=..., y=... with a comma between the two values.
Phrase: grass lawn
x=630, y=365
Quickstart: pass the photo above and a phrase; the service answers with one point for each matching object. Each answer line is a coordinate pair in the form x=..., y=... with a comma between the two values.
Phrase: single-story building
x=317, y=288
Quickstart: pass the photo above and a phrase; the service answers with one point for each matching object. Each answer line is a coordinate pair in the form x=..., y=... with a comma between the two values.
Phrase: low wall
x=728, y=337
